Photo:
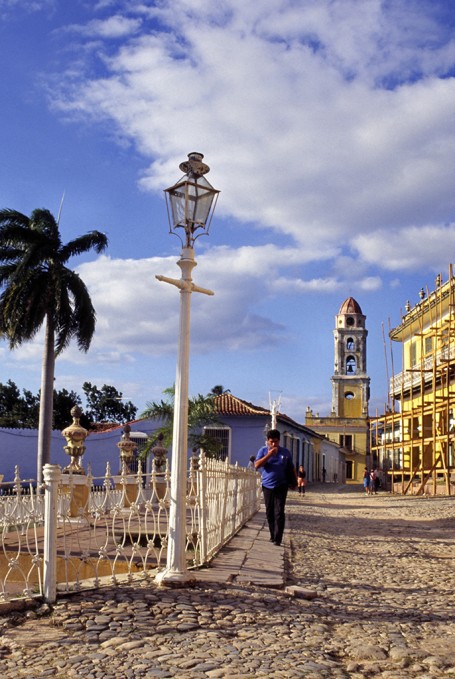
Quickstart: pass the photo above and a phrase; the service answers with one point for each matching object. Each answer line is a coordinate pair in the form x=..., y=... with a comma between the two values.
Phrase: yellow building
x=348, y=423
x=414, y=438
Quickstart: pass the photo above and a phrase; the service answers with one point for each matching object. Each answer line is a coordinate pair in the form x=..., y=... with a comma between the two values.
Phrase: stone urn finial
x=75, y=436
x=127, y=448
x=159, y=454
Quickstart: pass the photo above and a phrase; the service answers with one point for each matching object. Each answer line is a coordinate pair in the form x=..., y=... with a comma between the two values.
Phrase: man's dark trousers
x=275, y=501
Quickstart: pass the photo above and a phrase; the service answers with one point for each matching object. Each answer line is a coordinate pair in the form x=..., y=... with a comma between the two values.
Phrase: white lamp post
x=190, y=202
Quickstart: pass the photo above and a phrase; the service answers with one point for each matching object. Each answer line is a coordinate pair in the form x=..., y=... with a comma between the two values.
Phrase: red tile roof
x=227, y=404
x=350, y=306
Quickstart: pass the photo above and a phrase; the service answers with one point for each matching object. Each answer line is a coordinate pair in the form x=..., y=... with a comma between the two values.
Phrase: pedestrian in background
x=377, y=481
x=373, y=486
x=278, y=473
x=366, y=480
x=250, y=464
x=301, y=480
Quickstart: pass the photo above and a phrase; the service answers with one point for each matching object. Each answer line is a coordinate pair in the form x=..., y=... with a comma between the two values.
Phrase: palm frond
x=94, y=240
x=83, y=316
x=37, y=288
x=161, y=410
x=23, y=308
x=13, y=217
x=201, y=412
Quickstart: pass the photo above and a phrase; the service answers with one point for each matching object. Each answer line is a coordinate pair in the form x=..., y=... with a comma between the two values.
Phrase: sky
x=329, y=128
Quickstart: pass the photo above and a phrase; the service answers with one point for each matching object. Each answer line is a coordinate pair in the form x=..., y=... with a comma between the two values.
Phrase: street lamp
x=190, y=204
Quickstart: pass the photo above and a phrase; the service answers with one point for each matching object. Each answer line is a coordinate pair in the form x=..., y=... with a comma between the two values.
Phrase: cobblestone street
x=382, y=568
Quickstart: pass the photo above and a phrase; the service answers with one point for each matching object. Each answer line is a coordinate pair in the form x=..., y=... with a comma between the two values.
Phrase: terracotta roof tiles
x=227, y=404
x=350, y=306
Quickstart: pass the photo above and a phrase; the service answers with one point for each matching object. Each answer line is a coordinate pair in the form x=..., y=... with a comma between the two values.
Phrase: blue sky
x=329, y=127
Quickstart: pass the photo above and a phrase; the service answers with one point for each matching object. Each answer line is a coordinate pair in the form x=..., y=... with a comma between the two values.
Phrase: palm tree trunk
x=46, y=400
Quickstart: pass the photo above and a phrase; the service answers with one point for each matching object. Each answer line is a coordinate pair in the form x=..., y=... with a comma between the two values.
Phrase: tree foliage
x=22, y=410
x=219, y=390
x=39, y=289
x=201, y=413
x=64, y=401
x=16, y=410
x=107, y=404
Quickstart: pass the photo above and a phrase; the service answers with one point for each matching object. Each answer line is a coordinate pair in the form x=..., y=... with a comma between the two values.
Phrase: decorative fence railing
x=421, y=370
x=88, y=531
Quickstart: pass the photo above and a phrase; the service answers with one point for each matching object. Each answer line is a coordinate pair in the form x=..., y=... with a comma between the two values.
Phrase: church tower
x=348, y=422
x=350, y=382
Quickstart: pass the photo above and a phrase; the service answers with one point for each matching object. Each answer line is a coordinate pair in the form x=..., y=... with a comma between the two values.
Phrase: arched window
x=349, y=395
x=350, y=344
x=350, y=365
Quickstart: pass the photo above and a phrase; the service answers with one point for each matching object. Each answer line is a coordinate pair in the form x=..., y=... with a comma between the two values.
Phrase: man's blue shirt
x=275, y=470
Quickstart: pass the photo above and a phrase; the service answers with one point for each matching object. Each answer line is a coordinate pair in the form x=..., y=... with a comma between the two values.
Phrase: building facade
x=348, y=423
x=414, y=438
x=244, y=425
x=241, y=430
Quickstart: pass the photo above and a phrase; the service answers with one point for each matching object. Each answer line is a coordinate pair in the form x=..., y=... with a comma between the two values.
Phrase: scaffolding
x=413, y=441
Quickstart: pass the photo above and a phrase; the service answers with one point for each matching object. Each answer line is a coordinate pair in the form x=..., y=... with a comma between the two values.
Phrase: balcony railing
x=413, y=378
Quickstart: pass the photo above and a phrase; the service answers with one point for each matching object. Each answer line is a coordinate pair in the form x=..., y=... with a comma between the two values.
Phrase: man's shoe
x=272, y=539
x=275, y=542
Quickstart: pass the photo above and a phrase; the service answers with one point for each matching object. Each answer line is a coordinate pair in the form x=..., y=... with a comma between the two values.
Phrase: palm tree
x=219, y=390
x=38, y=288
x=201, y=412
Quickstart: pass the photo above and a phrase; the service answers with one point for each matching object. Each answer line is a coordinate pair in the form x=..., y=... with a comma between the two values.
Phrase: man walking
x=278, y=473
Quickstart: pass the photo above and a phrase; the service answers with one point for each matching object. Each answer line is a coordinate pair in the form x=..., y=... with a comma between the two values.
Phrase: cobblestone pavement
x=382, y=570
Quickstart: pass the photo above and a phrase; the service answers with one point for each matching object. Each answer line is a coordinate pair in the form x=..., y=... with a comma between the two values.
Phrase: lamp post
x=190, y=203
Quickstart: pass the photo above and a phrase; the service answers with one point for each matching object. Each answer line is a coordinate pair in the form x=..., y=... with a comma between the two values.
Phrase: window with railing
x=223, y=436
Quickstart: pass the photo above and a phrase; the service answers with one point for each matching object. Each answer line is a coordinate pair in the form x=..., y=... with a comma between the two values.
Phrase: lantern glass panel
x=177, y=200
x=191, y=202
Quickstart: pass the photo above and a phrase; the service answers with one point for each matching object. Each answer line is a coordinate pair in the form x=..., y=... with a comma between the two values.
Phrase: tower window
x=349, y=320
x=349, y=395
x=346, y=441
x=351, y=365
x=350, y=344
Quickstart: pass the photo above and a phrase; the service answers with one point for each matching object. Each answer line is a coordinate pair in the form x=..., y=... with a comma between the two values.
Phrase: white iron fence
x=86, y=531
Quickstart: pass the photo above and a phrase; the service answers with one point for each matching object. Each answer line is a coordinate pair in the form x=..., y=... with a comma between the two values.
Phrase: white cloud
x=408, y=249
x=136, y=314
x=26, y=5
x=284, y=285
x=11, y=10
x=111, y=28
x=287, y=100
x=139, y=316
x=328, y=125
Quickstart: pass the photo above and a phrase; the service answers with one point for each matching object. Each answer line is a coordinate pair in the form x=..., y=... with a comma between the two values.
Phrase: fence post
x=224, y=497
x=202, y=485
x=51, y=475
x=235, y=471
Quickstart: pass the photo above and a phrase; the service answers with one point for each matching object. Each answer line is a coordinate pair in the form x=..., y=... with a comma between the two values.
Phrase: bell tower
x=348, y=422
x=350, y=382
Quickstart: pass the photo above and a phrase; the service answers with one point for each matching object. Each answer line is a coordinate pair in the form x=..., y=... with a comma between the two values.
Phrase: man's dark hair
x=273, y=434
